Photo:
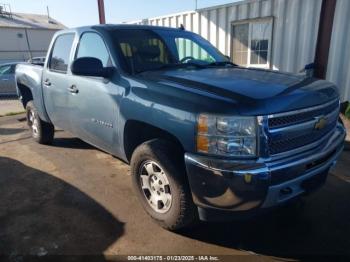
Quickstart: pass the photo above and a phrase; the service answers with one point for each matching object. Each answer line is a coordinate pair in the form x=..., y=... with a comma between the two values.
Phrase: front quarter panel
x=162, y=107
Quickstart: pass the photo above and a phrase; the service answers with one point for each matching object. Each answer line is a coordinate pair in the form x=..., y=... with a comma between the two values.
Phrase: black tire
x=182, y=212
x=41, y=131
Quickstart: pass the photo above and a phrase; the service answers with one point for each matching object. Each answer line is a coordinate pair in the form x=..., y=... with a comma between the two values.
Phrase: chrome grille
x=296, y=129
x=302, y=116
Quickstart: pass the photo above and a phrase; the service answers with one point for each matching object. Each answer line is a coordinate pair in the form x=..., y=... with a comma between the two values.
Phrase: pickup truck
x=206, y=139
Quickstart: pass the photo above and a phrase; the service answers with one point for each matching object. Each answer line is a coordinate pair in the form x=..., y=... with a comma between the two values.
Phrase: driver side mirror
x=91, y=66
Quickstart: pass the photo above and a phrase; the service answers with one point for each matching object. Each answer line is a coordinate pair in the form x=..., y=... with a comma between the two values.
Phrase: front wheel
x=160, y=183
x=42, y=132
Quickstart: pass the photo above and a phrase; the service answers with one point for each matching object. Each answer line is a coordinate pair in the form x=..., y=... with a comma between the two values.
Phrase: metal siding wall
x=13, y=48
x=294, y=34
x=338, y=70
x=40, y=40
x=222, y=29
x=204, y=25
x=10, y=40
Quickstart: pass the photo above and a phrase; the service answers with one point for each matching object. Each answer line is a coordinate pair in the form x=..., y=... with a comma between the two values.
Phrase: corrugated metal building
x=338, y=70
x=276, y=34
x=23, y=36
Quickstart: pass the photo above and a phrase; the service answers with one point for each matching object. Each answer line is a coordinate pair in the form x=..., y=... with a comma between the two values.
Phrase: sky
x=73, y=13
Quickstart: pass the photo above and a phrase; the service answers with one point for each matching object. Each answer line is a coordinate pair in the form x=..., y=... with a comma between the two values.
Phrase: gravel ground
x=9, y=106
x=72, y=199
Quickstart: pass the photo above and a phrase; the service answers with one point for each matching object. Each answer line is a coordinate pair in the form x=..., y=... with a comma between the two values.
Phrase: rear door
x=56, y=82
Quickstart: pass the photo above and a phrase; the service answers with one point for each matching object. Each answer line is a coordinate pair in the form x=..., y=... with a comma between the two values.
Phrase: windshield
x=143, y=50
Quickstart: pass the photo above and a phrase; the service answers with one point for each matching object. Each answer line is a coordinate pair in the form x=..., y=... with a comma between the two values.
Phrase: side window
x=5, y=70
x=92, y=45
x=60, y=54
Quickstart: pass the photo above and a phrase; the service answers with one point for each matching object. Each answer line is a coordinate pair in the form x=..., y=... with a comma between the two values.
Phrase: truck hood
x=253, y=91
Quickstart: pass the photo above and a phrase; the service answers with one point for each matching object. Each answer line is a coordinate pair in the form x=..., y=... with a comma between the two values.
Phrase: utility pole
x=101, y=11
x=324, y=37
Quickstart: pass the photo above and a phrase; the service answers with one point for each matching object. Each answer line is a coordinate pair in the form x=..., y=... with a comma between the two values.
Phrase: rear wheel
x=161, y=185
x=42, y=132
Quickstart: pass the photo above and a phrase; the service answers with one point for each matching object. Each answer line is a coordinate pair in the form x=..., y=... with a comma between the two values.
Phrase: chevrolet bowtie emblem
x=321, y=123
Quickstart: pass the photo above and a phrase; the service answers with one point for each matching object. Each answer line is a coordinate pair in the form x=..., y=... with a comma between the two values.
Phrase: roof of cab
x=130, y=26
x=111, y=27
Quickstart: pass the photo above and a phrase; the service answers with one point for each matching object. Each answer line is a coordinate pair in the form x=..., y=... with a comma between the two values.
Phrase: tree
x=347, y=111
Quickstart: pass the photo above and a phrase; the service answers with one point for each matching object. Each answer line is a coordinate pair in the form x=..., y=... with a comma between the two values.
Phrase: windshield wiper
x=174, y=66
x=222, y=63
x=182, y=65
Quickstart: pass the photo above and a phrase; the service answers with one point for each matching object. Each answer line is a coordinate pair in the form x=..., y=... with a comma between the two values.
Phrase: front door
x=94, y=99
x=56, y=82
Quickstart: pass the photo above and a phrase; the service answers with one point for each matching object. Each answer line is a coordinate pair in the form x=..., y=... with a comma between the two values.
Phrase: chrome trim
x=274, y=196
x=303, y=110
x=234, y=171
x=303, y=148
x=266, y=164
x=263, y=136
x=302, y=126
x=237, y=167
x=292, y=128
x=331, y=145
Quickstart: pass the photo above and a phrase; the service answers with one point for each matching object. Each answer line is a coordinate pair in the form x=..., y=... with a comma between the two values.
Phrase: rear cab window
x=141, y=50
x=60, y=53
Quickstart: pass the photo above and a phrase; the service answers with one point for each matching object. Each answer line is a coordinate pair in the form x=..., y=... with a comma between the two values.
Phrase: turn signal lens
x=203, y=124
x=202, y=144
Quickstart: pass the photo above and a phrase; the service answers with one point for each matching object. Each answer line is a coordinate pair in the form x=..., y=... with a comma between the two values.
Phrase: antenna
x=48, y=13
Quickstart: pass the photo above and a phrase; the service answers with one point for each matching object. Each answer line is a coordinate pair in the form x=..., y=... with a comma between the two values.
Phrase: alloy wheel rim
x=155, y=187
x=33, y=123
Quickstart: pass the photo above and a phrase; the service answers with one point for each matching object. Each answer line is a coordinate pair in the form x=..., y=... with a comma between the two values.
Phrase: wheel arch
x=25, y=93
x=137, y=132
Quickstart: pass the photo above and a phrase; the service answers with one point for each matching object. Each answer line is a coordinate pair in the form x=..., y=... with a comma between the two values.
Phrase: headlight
x=226, y=136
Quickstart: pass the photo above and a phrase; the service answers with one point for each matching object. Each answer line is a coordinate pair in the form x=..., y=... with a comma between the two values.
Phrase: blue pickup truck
x=205, y=138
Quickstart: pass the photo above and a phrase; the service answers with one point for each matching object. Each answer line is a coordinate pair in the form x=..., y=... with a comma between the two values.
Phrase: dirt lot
x=71, y=198
x=10, y=106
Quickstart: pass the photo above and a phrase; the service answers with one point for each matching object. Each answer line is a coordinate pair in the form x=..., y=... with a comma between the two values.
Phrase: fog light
x=248, y=178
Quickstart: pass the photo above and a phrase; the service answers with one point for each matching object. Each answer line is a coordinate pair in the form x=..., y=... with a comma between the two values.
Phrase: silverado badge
x=321, y=123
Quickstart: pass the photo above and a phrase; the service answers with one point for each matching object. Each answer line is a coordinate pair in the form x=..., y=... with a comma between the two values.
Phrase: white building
x=23, y=36
x=275, y=34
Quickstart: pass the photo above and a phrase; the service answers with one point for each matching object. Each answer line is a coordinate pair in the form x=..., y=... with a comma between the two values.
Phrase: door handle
x=5, y=79
x=73, y=89
x=47, y=82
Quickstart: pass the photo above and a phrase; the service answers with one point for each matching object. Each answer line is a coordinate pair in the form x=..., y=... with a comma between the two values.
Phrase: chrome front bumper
x=229, y=185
